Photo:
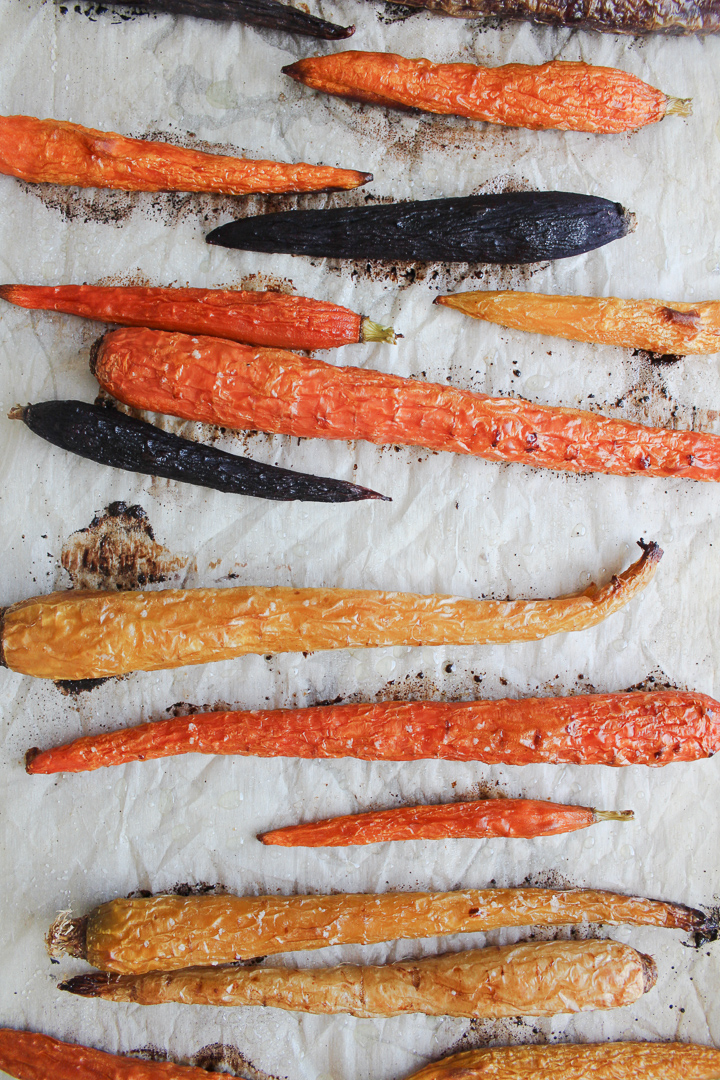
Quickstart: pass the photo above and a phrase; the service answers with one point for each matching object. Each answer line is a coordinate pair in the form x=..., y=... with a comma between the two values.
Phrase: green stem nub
x=372, y=331
x=614, y=815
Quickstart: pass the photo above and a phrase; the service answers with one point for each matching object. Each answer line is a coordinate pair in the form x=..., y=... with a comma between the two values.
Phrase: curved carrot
x=561, y=94
x=89, y=635
x=654, y=325
x=220, y=382
x=257, y=318
x=28, y=1055
x=481, y=820
x=594, y=729
x=57, y=152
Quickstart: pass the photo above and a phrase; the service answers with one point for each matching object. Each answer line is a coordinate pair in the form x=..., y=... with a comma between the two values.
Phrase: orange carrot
x=28, y=1055
x=57, y=152
x=220, y=382
x=450, y=821
x=654, y=325
x=593, y=729
x=561, y=94
x=256, y=318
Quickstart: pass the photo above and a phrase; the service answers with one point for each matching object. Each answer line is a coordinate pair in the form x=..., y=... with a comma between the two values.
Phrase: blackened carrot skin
x=220, y=382
x=124, y=442
x=561, y=94
x=517, y=227
x=266, y=13
x=594, y=729
x=271, y=319
x=481, y=820
x=29, y=1055
x=58, y=152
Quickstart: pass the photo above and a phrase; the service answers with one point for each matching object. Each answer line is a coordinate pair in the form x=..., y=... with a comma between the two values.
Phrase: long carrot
x=87, y=635
x=220, y=382
x=57, y=152
x=561, y=94
x=165, y=933
x=481, y=820
x=256, y=318
x=530, y=980
x=653, y=728
x=654, y=325
x=28, y=1055
x=601, y=1061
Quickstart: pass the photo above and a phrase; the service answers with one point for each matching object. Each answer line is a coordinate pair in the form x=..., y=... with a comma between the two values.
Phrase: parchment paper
x=455, y=524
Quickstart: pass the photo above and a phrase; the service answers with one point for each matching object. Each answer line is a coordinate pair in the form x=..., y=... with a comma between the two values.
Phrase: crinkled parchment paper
x=455, y=524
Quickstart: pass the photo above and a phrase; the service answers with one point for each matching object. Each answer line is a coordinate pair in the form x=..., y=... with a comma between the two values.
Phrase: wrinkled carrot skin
x=89, y=635
x=481, y=820
x=164, y=933
x=561, y=94
x=31, y=1056
x=526, y=979
x=233, y=385
x=594, y=729
x=653, y=325
x=601, y=1061
x=57, y=152
x=257, y=318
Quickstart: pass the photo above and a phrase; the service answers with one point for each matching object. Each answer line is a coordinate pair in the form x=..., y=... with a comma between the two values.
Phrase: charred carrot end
x=164, y=933
x=527, y=979
x=559, y=94
x=85, y=635
x=270, y=319
x=56, y=152
x=603, y=1061
x=477, y=820
x=29, y=1055
x=653, y=325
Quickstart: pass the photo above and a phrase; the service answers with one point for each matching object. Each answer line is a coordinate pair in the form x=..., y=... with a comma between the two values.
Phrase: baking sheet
x=455, y=525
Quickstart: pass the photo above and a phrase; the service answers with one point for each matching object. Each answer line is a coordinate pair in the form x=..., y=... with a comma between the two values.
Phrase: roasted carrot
x=532, y=980
x=57, y=152
x=561, y=94
x=653, y=728
x=256, y=318
x=480, y=820
x=164, y=933
x=653, y=325
x=88, y=635
x=29, y=1055
x=601, y=1061
x=267, y=13
x=220, y=382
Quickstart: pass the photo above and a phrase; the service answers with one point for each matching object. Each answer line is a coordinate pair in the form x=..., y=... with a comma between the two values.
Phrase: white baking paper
x=456, y=525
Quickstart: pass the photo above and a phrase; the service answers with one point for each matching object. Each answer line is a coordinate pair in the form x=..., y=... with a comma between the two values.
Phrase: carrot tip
x=675, y=107
x=85, y=985
x=34, y=752
x=291, y=70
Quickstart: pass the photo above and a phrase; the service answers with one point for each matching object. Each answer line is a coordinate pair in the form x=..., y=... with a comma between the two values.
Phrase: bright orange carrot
x=479, y=820
x=593, y=729
x=560, y=94
x=31, y=1056
x=654, y=325
x=221, y=382
x=57, y=152
x=83, y=634
x=257, y=318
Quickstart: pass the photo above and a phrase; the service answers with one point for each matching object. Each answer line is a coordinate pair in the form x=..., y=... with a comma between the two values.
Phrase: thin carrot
x=481, y=820
x=88, y=635
x=165, y=933
x=220, y=382
x=654, y=325
x=28, y=1055
x=601, y=1061
x=560, y=94
x=57, y=152
x=256, y=318
x=653, y=728
x=530, y=980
